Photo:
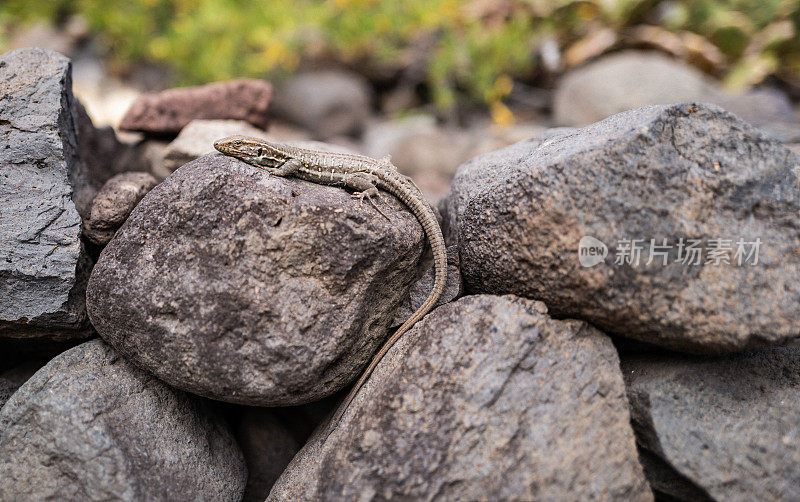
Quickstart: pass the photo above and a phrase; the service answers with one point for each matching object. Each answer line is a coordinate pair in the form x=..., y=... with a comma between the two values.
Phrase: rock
x=167, y=112
x=686, y=171
x=622, y=81
x=423, y=287
x=432, y=159
x=631, y=79
x=43, y=265
x=385, y=137
x=327, y=103
x=723, y=428
x=769, y=109
x=152, y=151
x=268, y=446
x=486, y=399
x=114, y=203
x=246, y=287
x=90, y=426
x=198, y=137
x=283, y=132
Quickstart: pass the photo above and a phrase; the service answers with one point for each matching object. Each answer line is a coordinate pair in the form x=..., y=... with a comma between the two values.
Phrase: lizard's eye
x=260, y=152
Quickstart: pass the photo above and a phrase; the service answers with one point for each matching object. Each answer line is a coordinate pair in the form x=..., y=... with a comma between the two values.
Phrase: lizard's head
x=254, y=151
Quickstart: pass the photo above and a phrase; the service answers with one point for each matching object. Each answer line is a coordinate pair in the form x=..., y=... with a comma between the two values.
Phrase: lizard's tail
x=440, y=279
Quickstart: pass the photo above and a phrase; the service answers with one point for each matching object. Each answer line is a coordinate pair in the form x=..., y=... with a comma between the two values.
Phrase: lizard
x=365, y=175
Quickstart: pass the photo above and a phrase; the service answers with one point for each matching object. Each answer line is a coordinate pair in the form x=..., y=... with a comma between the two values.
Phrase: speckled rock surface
x=721, y=428
x=90, y=426
x=114, y=203
x=238, y=285
x=167, y=112
x=43, y=265
x=486, y=399
x=685, y=171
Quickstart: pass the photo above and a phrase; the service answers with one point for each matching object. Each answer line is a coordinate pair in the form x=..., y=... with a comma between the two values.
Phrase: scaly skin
x=365, y=175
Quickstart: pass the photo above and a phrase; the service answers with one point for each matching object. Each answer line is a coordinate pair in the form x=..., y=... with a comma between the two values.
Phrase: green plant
x=471, y=51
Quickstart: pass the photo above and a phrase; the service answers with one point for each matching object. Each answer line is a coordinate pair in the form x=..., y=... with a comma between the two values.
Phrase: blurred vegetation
x=458, y=51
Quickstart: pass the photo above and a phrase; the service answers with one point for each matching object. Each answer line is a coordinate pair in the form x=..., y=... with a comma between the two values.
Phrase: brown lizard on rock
x=365, y=175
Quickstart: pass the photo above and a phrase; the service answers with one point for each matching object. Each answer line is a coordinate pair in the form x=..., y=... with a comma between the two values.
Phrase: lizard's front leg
x=288, y=168
x=365, y=183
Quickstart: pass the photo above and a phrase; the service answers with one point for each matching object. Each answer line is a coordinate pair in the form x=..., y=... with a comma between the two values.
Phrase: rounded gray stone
x=241, y=286
x=487, y=398
x=114, y=203
x=327, y=103
x=90, y=426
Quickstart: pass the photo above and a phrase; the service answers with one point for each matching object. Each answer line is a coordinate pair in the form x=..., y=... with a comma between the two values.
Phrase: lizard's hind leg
x=365, y=186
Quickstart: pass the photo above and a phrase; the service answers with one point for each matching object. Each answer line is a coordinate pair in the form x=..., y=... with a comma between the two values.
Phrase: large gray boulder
x=43, y=265
x=683, y=171
x=724, y=428
x=251, y=288
x=486, y=399
x=91, y=426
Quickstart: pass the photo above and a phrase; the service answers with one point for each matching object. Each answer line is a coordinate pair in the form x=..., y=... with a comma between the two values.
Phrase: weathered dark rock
x=241, y=286
x=686, y=171
x=114, y=203
x=167, y=112
x=43, y=266
x=90, y=426
x=327, y=103
x=268, y=446
x=720, y=428
x=486, y=399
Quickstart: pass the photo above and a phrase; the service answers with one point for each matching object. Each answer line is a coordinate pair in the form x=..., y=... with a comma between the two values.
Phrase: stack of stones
x=618, y=325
